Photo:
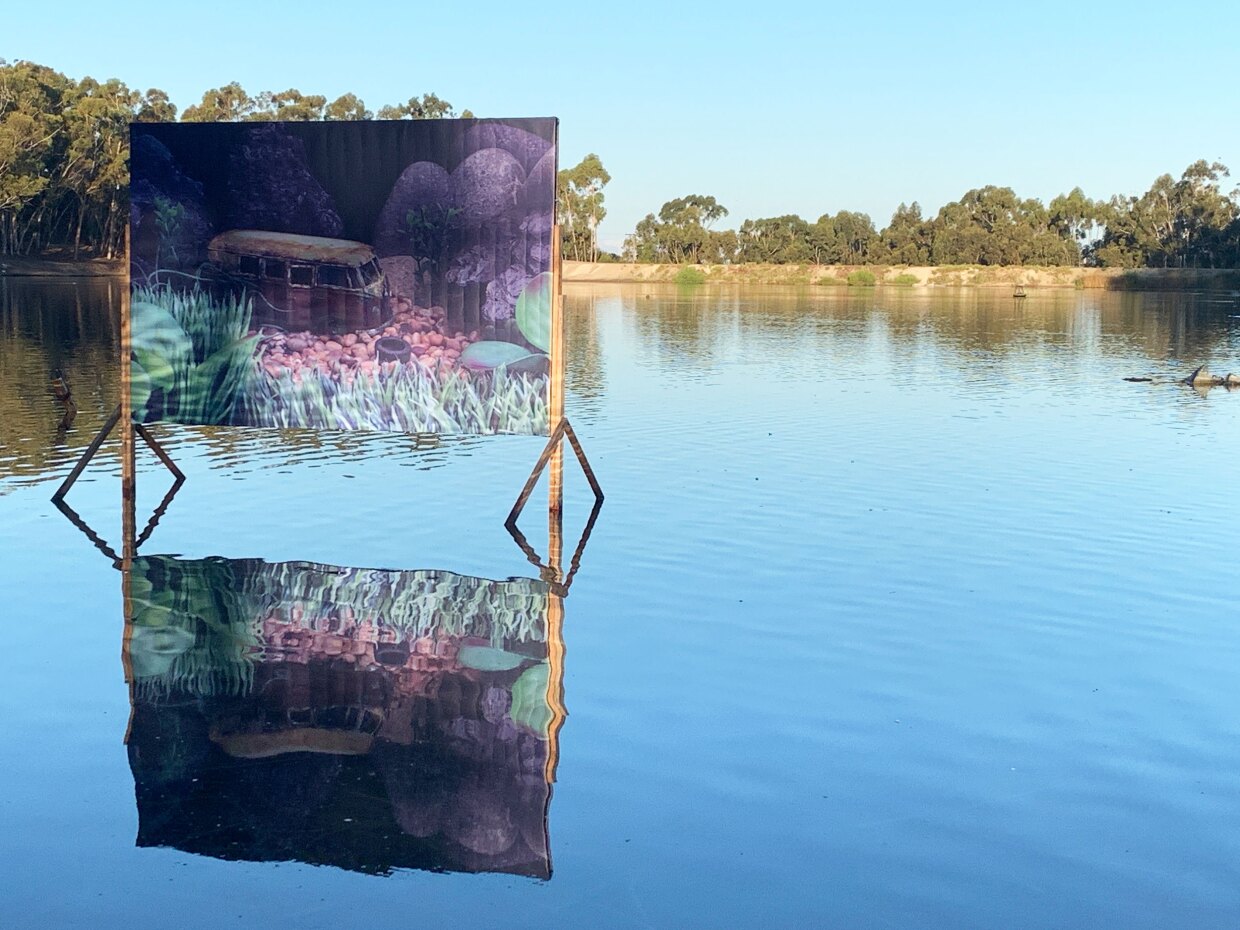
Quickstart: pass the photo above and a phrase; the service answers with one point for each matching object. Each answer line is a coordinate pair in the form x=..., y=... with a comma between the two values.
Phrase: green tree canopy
x=579, y=205
x=680, y=233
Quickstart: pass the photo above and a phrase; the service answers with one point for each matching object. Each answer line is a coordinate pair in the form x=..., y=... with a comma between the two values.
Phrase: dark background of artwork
x=357, y=163
x=467, y=241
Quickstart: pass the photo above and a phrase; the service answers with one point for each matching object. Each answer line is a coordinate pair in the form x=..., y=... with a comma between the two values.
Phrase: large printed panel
x=369, y=720
x=376, y=275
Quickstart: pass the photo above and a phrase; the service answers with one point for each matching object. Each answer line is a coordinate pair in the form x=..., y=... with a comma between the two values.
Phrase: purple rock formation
x=479, y=820
x=502, y=294
x=538, y=194
x=271, y=187
x=486, y=186
x=159, y=182
x=424, y=189
x=523, y=145
x=475, y=265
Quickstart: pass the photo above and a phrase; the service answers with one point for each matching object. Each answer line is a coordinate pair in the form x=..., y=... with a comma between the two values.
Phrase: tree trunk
x=77, y=234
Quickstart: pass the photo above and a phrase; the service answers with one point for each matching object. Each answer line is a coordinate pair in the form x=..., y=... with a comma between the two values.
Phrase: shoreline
x=826, y=276
x=25, y=266
x=915, y=277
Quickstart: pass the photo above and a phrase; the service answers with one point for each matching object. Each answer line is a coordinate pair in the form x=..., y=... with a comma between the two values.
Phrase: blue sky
x=772, y=107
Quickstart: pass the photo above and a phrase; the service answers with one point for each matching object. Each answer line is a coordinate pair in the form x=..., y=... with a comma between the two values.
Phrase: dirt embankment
x=1154, y=279
x=20, y=266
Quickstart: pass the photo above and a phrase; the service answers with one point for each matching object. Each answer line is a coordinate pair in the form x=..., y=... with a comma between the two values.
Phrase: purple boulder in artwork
x=486, y=186
x=522, y=144
x=420, y=199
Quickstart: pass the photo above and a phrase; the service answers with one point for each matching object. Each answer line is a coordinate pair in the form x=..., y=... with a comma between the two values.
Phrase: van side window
x=333, y=276
x=274, y=268
x=248, y=264
x=301, y=275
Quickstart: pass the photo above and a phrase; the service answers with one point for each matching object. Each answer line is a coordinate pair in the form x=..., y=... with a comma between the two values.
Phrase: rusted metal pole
x=89, y=454
x=557, y=435
x=159, y=451
x=557, y=368
x=585, y=463
x=129, y=523
x=555, y=633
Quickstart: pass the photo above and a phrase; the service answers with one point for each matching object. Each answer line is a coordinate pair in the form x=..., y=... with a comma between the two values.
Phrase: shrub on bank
x=862, y=278
x=689, y=275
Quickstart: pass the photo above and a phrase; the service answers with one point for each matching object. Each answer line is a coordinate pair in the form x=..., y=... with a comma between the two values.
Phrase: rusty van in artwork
x=304, y=282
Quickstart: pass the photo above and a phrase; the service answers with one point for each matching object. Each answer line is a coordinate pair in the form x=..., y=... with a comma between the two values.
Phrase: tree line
x=1186, y=223
x=64, y=176
x=64, y=148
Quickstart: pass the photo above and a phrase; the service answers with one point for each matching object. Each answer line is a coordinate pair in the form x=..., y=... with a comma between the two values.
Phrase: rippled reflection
x=694, y=329
x=366, y=719
x=617, y=334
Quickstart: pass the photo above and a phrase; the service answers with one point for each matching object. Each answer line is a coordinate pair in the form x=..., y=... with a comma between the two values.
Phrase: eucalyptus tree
x=779, y=240
x=579, y=207
x=680, y=233
x=428, y=106
x=906, y=240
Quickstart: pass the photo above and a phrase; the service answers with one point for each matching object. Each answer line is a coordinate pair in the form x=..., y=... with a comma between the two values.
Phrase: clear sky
x=773, y=107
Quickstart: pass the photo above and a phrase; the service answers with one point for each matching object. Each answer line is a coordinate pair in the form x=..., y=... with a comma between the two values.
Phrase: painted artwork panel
x=371, y=275
x=365, y=719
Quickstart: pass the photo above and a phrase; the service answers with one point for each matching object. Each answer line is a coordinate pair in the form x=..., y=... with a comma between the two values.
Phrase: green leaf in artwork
x=534, y=311
x=156, y=330
x=529, y=699
x=488, y=658
x=153, y=648
x=491, y=354
x=139, y=390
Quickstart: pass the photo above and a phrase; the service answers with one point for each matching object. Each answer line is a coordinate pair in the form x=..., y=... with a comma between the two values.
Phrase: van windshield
x=371, y=273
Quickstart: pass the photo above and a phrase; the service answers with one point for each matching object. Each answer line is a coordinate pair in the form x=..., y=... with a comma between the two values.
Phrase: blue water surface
x=904, y=610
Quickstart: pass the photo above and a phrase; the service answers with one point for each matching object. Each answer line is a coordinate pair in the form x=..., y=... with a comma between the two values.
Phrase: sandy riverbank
x=1156, y=279
x=1119, y=279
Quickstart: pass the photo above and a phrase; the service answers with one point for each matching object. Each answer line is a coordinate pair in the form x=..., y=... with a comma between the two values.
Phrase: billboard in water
x=371, y=275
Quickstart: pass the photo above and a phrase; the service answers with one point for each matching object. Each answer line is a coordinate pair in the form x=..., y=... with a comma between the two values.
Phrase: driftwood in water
x=1202, y=378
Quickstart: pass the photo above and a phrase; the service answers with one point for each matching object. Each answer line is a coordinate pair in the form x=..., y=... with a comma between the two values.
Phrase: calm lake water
x=903, y=610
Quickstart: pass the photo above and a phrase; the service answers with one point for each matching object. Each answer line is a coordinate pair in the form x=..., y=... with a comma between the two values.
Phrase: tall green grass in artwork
x=407, y=398
x=198, y=624
x=193, y=357
x=417, y=604
x=195, y=361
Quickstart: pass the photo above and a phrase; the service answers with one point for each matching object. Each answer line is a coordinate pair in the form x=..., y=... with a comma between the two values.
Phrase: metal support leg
x=99, y=440
x=87, y=456
x=563, y=429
